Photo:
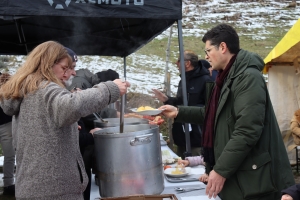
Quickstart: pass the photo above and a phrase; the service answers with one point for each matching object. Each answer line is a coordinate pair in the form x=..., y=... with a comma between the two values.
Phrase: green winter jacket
x=248, y=146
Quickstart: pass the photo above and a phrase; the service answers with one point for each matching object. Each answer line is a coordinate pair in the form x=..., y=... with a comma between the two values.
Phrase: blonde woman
x=45, y=130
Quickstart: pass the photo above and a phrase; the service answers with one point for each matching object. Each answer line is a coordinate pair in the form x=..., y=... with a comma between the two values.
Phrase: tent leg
x=125, y=95
x=184, y=92
x=21, y=37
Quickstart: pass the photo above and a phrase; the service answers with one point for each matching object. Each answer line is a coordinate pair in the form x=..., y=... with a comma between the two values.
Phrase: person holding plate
x=196, y=77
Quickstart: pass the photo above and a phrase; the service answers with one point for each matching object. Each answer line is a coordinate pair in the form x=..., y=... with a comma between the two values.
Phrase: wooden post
x=167, y=87
x=169, y=121
x=167, y=59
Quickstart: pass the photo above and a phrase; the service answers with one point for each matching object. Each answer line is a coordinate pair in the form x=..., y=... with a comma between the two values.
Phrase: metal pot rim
x=146, y=128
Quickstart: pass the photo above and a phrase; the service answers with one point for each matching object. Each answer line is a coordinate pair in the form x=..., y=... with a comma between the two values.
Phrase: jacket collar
x=244, y=60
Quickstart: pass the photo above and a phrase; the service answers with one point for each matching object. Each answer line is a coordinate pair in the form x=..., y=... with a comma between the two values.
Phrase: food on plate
x=128, y=115
x=177, y=159
x=179, y=169
x=143, y=108
x=176, y=171
x=152, y=119
x=156, y=121
x=167, y=166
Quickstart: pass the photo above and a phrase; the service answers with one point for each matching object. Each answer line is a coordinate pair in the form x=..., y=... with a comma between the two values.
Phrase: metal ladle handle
x=123, y=99
x=98, y=117
x=122, y=114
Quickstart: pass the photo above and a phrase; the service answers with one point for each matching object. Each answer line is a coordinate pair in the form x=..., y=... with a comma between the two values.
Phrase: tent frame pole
x=125, y=95
x=21, y=37
x=188, y=151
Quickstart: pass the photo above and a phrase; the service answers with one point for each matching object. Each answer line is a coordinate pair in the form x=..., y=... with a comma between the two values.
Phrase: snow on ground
x=249, y=15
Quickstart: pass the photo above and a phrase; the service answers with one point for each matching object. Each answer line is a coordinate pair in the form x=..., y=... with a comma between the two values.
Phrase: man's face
x=70, y=72
x=69, y=75
x=213, y=55
x=178, y=63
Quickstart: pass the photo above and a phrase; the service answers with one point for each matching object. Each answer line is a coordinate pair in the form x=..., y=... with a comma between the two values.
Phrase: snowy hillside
x=250, y=15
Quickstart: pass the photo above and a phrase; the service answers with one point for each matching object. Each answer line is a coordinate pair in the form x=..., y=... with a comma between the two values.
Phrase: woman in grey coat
x=45, y=130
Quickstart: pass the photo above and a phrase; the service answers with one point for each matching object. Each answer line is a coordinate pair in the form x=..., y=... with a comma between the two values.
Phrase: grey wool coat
x=248, y=146
x=45, y=133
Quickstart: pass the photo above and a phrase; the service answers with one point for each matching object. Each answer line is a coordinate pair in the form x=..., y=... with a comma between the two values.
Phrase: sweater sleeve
x=195, y=160
x=190, y=114
x=69, y=107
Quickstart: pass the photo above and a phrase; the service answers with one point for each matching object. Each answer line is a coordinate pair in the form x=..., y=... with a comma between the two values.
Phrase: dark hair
x=223, y=33
x=191, y=56
x=204, y=63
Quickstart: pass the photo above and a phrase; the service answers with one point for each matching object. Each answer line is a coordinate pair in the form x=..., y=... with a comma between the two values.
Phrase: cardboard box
x=144, y=197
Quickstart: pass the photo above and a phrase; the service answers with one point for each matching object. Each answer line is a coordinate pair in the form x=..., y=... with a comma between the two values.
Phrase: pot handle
x=142, y=139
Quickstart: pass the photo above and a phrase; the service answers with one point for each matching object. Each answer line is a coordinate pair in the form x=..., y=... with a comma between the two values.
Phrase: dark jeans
x=88, y=162
x=87, y=191
x=196, y=151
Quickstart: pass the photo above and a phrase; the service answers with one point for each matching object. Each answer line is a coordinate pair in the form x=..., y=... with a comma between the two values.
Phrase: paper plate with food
x=146, y=110
x=177, y=171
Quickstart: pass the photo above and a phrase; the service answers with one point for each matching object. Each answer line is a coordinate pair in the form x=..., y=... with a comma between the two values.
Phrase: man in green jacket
x=243, y=148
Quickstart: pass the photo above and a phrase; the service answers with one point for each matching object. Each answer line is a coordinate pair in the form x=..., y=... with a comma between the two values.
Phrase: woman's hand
x=159, y=95
x=184, y=162
x=92, y=131
x=203, y=178
x=123, y=85
x=169, y=111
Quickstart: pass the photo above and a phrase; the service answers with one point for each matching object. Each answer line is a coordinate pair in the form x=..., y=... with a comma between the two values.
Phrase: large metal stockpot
x=129, y=163
x=112, y=122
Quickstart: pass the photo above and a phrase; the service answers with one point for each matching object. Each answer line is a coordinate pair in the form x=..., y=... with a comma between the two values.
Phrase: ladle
x=98, y=117
x=122, y=113
x=122, y=110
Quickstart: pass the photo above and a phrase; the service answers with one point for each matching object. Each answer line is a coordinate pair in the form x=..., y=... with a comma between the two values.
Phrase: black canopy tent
x=90, y=27
x=99, y=27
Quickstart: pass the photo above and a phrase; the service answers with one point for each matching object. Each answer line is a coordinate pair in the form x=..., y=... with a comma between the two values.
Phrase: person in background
x=86, y=145
x=291, y=193
x=196, y=77
x=86, y=79
x=212, y=72
x=82, y=80
x=45, y=129
x=86, y=139
x=69, y=74
x=244, y=153
x=8, y=150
